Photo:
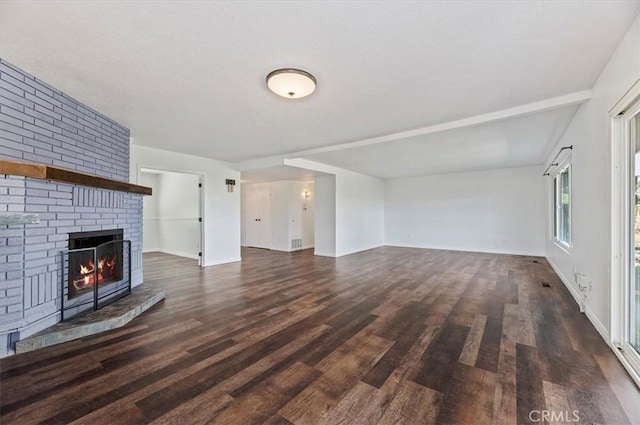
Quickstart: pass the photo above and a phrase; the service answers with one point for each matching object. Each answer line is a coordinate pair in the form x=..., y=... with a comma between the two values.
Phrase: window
x=562, y=206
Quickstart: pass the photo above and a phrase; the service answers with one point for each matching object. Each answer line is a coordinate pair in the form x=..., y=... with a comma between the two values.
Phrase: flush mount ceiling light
x=291, y=83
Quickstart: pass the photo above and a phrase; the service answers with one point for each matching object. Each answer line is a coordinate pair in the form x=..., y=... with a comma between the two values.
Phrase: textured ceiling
x=189, y=76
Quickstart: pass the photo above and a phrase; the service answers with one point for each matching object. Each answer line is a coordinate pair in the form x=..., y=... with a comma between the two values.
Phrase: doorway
x=172, y=215
x=278, y=215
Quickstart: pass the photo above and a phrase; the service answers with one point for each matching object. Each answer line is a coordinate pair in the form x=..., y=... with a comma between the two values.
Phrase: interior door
x=258, y=217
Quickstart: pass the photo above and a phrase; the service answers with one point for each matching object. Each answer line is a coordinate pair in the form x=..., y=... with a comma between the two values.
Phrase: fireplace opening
x=95, y=258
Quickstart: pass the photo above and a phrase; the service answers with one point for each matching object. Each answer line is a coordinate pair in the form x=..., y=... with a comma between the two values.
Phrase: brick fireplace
x=40, y=124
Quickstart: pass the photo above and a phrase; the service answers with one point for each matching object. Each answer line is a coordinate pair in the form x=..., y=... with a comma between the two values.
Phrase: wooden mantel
x=49, y=172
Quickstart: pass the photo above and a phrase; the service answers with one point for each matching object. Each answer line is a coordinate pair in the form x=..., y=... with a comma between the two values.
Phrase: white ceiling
x=189, y=76
x=278, y=173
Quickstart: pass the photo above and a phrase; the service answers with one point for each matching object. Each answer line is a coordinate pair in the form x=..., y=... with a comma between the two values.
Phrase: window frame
x=556, y=205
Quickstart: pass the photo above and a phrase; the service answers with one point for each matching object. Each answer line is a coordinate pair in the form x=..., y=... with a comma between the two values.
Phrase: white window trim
x=561, y=167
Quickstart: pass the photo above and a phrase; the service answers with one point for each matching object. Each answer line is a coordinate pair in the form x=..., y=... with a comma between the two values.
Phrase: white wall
x=591, y=193
x=498, y=211
x=359, y=212
x=288, y=218
x=221, y=209
x=303, y=212
x=150, y=213
x=295, y=211
x=280, y=227
x=325, y=216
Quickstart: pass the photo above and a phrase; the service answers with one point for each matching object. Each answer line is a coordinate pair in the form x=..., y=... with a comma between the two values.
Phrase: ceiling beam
x=518, y=111
x=504, y=114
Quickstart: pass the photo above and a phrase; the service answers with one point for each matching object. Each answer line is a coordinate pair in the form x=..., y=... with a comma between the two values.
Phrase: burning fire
x=106, y=271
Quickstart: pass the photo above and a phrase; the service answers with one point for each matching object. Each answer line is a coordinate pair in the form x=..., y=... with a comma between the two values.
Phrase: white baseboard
x=178, y=253
x=440, y=248
x=280, y=250
x=602, y=330
x=302, y=248
x=323, y=254
x=482, y=250
x=146, y=250
x=355, y=251
x=223, y=261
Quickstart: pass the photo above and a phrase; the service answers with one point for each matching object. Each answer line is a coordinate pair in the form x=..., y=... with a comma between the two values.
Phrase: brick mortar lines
x=39, y=123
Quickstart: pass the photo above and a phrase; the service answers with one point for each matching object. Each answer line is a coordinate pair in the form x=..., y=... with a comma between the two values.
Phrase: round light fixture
x=291, y=83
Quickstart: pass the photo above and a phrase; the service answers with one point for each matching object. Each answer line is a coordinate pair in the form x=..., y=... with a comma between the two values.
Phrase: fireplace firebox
x=84, y=270
x=98, y=270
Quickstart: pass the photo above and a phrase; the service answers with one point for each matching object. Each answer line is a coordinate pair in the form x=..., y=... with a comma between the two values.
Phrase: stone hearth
x=113, y=316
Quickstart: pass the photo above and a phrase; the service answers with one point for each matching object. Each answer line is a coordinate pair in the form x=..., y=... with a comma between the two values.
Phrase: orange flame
x=106, y=270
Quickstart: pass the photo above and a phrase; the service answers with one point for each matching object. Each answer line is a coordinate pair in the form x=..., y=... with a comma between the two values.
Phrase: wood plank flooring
x=387, y=336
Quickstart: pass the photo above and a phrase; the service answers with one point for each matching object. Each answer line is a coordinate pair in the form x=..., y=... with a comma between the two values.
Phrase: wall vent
x=296, y=243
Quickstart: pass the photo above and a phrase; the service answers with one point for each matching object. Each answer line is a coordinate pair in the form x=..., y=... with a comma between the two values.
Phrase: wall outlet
x=584, y=287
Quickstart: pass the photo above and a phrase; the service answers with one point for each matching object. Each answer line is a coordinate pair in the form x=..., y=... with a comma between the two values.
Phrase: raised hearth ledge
x=50, y=172
x=109, y=317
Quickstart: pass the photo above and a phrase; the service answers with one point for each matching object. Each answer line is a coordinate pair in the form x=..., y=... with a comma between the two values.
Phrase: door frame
x=247, y=195
x=139, y=171
x=620, y=226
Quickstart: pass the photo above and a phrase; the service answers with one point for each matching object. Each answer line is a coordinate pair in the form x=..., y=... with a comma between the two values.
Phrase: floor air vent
x=545, y=284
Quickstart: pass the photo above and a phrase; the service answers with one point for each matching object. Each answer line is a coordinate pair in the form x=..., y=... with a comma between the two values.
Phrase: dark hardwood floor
x=388, y=336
